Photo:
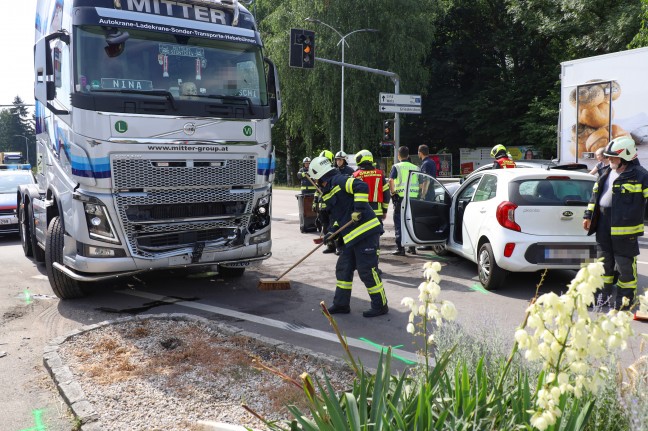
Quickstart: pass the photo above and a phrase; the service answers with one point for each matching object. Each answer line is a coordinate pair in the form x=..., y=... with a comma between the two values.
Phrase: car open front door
x=425, y=211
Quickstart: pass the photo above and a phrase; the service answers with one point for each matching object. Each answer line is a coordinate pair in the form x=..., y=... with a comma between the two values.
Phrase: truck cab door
x=425, y=211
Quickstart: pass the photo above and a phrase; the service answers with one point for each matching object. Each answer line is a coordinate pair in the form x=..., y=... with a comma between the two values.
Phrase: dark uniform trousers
x=619, y=254
x=397, y=222
x=363, y=257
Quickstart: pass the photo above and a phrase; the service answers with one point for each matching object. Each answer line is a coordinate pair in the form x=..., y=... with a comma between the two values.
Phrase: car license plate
x=567, y=253
x=10, y=220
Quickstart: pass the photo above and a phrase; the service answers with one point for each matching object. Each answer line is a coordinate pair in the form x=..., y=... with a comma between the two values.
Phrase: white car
x=505, y=220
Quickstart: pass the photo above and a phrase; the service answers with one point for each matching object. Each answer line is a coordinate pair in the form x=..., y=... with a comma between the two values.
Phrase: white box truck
x=612, y=101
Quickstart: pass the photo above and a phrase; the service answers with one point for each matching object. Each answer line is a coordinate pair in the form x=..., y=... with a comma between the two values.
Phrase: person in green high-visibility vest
x=397, y=181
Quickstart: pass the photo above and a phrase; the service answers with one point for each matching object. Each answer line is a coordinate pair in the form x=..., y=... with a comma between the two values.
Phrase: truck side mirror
x=44, y=85
x=274, y=93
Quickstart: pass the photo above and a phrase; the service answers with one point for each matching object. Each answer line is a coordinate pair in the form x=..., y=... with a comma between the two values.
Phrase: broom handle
x=313, y=183
x=314, y=250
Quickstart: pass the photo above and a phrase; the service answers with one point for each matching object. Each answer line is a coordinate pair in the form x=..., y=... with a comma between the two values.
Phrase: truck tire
x=25, y=230
x=37, y=252
x=63, y=286
x=230, y=272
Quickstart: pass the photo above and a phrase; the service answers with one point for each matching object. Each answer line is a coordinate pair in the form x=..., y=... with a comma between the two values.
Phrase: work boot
x=339, y=309
x=624, y=293
x=375, y=312
x=330, y=248
x=411, y=250
x=399, y=252
x=341, y=301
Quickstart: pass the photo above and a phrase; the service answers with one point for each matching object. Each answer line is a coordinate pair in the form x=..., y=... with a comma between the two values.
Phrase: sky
x=17, y=36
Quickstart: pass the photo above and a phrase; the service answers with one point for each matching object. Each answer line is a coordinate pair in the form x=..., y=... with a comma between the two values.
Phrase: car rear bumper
x=8, y=224
x=568, y=253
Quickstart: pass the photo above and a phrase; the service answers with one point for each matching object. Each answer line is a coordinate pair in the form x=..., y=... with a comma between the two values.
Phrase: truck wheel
x=63, y=286
x=37, y=252
x=25, y=230
x=230, y=272
x=491, y=275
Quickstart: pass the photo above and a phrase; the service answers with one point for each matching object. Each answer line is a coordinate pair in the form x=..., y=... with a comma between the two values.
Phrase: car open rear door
x=425, y=211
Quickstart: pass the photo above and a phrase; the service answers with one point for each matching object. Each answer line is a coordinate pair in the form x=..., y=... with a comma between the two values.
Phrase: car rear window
x=550, y=192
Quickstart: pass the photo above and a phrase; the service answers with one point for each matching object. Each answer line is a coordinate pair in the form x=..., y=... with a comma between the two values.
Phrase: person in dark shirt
x=342, y=164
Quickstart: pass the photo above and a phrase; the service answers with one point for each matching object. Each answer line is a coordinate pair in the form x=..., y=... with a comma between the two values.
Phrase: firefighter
x=346, y=199
x=328, y=154
x=397, y=180
x=615, y=212
x=341, y=163
x=319, y=207
x=375, y=179
x=306, y=186
x=502, y=158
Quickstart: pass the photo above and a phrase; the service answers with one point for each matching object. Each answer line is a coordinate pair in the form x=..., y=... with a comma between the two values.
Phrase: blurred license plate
x=567, y=253
x=11, y=220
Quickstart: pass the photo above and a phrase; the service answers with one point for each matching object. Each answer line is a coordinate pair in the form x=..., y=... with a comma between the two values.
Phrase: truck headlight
x=99, y=225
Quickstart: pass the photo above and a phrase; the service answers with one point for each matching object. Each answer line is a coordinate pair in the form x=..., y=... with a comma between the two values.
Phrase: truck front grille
x=130, y=173
x=167, y=208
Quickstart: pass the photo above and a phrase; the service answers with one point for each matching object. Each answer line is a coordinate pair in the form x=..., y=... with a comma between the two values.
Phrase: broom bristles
x=273, y=284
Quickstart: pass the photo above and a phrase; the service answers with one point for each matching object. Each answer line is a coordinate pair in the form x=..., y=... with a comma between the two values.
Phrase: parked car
x=505, y=220
x=9, y=182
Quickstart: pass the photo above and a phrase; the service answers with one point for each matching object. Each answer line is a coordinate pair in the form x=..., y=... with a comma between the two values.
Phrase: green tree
x=14, y=123
x=641, y=38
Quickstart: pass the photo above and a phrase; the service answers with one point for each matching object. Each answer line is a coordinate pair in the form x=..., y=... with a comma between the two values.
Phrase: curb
x=87, y=414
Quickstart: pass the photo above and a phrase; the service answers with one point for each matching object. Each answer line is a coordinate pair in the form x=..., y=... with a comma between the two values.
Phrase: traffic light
x=388, y=132
x=302, y=48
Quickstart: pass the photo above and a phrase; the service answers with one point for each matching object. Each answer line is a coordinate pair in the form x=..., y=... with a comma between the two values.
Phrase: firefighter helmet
x=319, y=167
x=497, y=150
x=364, y=156
x=623, y=147
x=327, y=154
x=306, y=160
x=341, y=155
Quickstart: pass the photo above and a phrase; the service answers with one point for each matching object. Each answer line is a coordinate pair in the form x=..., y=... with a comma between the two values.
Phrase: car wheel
x=491, y=275
x=25, y=231
x=63, y=286
x=37, y=252
x=230, y=272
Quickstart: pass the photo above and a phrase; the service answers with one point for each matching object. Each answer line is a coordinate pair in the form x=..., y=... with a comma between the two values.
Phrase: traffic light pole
x=395, y=79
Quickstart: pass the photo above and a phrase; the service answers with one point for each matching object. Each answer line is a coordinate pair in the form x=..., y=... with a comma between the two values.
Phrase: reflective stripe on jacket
x=629, y=193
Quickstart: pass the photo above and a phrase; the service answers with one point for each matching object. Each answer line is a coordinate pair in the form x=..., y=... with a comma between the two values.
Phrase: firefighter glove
x=356, y=216
x=329, y=238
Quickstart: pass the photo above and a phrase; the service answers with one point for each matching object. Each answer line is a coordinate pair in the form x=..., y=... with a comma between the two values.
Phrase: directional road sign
x=399, y=109
x=399, y=103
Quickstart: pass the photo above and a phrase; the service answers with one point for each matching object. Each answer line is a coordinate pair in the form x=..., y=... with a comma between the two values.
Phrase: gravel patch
x=168, y=372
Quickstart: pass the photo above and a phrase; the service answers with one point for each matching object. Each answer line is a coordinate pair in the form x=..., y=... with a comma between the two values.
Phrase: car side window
x=486, y=189
x=467, y=193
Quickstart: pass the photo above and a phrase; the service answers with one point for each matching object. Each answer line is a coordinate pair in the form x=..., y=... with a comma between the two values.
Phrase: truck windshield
x=186, y=68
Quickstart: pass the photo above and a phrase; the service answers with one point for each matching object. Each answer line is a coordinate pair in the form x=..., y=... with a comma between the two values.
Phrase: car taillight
x=506, y=215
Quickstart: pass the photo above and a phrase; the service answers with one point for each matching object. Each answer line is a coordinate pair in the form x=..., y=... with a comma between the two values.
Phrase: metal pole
x=396, y=122
x=342, y=101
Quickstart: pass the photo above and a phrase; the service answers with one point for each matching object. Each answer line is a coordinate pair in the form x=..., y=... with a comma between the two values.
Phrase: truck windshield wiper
x=223, y=97
x=163, y=93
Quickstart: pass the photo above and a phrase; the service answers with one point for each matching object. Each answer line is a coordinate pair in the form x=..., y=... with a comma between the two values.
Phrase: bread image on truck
x=602, y=98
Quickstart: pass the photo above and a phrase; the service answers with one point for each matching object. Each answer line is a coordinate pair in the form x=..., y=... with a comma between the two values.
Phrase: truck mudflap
x=239, y=263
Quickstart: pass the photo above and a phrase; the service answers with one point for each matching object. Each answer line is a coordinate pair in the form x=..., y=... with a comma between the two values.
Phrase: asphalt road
x=30, y=315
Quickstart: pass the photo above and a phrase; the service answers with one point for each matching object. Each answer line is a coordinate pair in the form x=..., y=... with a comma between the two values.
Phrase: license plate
x=11, y=220
x=567, y=253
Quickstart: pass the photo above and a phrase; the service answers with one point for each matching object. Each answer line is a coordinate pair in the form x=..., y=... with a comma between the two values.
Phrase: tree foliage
x=14, y=124
x=489, y=70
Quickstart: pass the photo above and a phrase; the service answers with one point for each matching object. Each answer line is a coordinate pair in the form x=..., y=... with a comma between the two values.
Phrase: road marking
x=477, y=287
x=353, y=342
x=643, y=263
x=399, y=282
x=293, y=214
x=39, y=277
x=40, y=426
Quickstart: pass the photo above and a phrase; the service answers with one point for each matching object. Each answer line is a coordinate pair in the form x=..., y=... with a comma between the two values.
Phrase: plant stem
x=343, y=342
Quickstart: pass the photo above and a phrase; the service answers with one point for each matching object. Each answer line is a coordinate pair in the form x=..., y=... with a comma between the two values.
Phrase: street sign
x=399, y=109
x=399, y=103
x=399, y=99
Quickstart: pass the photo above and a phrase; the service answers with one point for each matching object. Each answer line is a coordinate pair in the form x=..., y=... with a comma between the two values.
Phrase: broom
x=277, y=283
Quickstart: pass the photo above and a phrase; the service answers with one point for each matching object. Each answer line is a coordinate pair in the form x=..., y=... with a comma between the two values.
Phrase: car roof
x=538, y=172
